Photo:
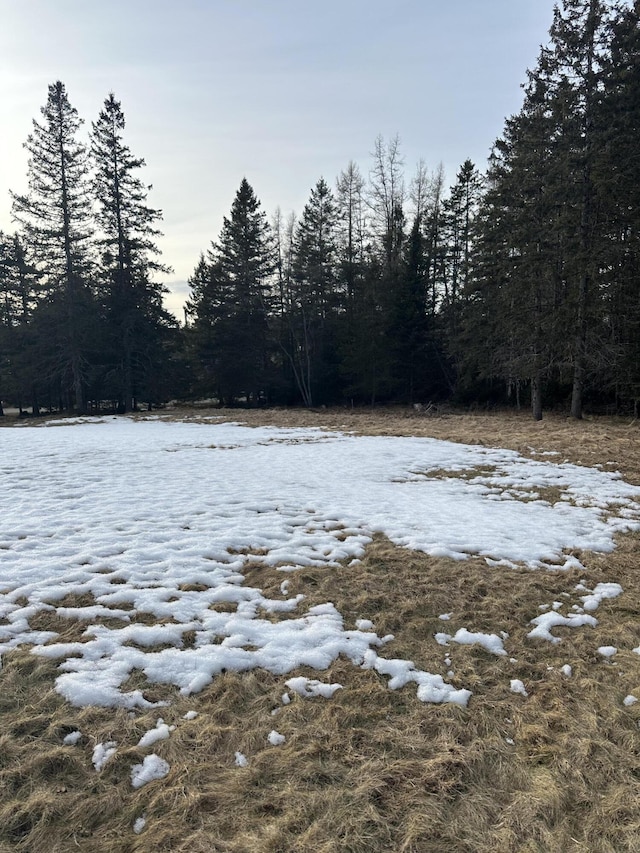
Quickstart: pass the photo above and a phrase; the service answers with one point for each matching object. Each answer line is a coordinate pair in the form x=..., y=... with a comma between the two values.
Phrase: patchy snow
x=566, y=670
x=545, y=622
x=153, y=767
x=102, y=752
x=308, y=687
x=275, y=738
x=161, y=732
x=139, y=824
x=599, y=593
x=240, y=760
x=72, y=738
x=629, y=700
x=190, y=715
x=123, y=522
x=364, y=624
x=607, y=651
x=431, y=688
x=517, y=686
x=491, y=642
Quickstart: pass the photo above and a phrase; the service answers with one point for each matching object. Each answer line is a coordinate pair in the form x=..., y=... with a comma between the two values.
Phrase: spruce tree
x=233, y=304
x=571, y=70
x=316, y=300
x=617, y=180
x=56, y=221
x=136, y=323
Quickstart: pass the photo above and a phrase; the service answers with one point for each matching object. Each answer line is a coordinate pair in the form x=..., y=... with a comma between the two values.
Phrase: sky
x=281, y=92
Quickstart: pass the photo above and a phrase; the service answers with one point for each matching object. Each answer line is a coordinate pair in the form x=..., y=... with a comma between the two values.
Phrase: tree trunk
x=536, y=397
x=580, y=349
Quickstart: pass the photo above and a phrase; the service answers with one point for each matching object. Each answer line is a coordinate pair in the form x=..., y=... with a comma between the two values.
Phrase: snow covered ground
x=160, y=518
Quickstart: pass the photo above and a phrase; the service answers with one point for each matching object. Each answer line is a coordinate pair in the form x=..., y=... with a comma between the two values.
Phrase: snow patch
x=546, y=621
x=517, y=686
x=72, y=738
x=309, y=687
x=607, y=651
x=102, y=752
x=491, y=642
x=153, y=767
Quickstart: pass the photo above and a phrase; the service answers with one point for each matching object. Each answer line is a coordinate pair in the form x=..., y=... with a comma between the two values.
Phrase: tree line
x=518, y=285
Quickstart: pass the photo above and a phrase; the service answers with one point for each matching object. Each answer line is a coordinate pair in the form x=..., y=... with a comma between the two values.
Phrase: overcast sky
x=279, y=91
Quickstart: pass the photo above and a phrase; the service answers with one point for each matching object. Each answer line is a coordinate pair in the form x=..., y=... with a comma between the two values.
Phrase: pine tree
x=513, y=304
x=232, y=307
x=135, y=319
x=55, y=217
x=616, y=177
x=540, y=288
x=571, y=70
x=315, y=298
x=19, y=278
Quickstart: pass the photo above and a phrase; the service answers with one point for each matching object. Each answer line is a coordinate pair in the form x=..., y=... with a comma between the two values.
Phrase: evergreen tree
x=55, y=217
x=571, y=71
x=232, y=306
x=136, y=322
x=513, y=305
x=316, y=300
x=616, y=177
x=19, y=375
x=407, y=323
x=458, y=216
x=540, y=288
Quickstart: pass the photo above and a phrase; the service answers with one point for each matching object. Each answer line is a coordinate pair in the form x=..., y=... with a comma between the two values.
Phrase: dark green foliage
x=55, y=217
x=231, y=302
x=136, y=328
x=316, y=300
x=552, y=300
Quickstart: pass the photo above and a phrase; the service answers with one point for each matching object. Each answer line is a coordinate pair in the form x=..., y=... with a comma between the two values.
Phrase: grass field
x=370, y=769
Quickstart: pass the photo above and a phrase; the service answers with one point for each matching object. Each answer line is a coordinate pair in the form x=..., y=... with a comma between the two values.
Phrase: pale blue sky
x=279, y=91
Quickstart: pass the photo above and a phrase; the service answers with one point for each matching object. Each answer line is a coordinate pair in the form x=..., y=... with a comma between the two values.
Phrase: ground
x=369, y=769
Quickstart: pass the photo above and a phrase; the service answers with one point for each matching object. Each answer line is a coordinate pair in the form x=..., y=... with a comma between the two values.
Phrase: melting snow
x=72, y=738
x=161, y=732
x=139, y=824
x=102, y=752
x=158, y=520
x=491, y=642
x=599, y=593
x=607, y=651
x=275, y=738
x=308, y=687
x=153, y=767
x=518, y=687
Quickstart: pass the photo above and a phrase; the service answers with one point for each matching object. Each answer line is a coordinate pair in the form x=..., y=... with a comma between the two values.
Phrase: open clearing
x=307, y=635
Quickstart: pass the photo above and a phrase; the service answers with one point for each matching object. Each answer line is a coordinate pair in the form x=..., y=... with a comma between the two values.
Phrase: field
x=179, y=600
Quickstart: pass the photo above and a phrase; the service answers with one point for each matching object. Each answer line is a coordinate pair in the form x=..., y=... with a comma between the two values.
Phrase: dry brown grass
x=371, y=770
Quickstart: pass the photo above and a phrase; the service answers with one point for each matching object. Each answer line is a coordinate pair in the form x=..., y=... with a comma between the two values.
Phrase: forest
x=518, y=285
